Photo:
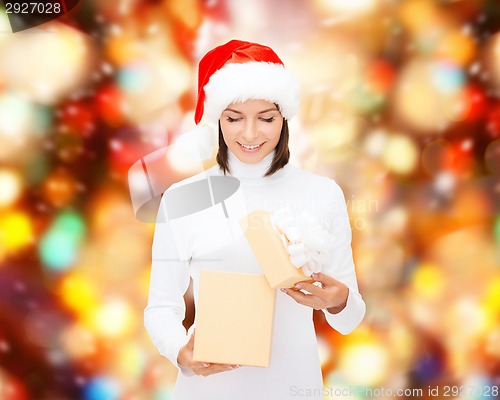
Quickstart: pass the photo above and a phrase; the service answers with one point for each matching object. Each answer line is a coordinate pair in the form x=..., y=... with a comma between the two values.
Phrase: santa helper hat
x=235, y=72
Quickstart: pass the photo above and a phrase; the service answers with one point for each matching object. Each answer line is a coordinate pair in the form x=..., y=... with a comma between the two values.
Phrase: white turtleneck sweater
x=294, y=371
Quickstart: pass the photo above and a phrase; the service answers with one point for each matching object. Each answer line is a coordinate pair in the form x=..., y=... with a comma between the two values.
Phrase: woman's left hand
x=331, y=295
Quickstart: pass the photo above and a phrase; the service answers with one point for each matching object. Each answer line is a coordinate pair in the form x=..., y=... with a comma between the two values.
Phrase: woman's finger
x=302, y=298
x=311, y=288
x=326, y=280
x=215, y=368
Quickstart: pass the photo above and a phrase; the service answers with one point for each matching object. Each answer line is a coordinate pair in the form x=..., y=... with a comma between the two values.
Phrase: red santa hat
x=235, y=72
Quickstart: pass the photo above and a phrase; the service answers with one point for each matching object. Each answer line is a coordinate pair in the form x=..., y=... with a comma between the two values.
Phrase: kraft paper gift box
x=269, y=249
x=234, y=319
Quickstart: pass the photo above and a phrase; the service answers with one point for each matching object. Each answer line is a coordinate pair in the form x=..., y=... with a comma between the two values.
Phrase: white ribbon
x=304, y=239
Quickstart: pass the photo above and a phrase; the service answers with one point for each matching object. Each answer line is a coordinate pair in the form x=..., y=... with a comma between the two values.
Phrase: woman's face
x=251, y=129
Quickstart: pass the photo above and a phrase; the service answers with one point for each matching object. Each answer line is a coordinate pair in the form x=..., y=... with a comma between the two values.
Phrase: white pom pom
x=199, y=142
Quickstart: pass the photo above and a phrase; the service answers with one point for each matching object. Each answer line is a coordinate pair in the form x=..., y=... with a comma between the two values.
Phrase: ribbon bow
x=304, y=239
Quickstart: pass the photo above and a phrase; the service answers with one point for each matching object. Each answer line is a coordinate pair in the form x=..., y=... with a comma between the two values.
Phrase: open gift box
x=234, y=319
x=235, y=312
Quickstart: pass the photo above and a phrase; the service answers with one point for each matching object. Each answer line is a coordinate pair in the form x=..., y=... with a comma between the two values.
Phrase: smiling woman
x=247, y=95
x=251, y=131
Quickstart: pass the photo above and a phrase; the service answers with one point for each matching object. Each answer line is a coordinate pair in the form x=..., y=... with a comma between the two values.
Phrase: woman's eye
x=229, y=119
x=271, y=119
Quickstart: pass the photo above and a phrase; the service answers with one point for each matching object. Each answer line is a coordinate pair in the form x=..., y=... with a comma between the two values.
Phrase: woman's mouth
x=250, y=148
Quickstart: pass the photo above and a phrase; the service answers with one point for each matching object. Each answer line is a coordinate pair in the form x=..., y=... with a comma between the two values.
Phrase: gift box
x=234, y=319
x=268, y=246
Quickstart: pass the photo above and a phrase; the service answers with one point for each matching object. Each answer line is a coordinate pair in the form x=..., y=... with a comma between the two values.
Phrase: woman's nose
x=250, y=132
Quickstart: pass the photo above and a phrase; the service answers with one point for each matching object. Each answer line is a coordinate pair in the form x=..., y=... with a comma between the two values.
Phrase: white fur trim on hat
x=251, y=80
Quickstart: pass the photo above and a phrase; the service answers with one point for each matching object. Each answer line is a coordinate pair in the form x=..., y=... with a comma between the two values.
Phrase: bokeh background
x=400, y=104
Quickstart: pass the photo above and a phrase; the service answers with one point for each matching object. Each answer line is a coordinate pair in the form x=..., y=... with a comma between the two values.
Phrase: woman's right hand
x=185, y=359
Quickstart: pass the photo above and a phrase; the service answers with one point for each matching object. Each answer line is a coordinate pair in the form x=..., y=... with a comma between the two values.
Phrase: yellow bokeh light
x=346, y=6
x=78, y=294
x=144, y=281
x=334, y=133
x=333, y=137
x=418, y=15
x=428, y=281
x=122, y=49
x=189, y=12
x=457, y=47
x=10, y=187
x=478, y=321
x=16, y=230
x=130, y=361
x=492, y=297
x=400, y=154
x=363, y=360
x=63, y=63
x=364, y=363
x=113, y=319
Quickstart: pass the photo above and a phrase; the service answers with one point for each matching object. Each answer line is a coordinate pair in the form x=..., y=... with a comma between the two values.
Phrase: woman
x=246, y=92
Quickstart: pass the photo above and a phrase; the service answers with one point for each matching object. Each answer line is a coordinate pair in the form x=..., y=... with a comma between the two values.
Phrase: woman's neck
x=255, y=171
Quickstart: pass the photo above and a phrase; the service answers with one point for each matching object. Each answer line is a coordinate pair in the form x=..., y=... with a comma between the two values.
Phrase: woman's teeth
x=250, y=147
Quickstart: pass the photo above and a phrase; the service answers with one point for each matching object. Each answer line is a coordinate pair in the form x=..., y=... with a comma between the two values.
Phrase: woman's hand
x=331, y=295
x=185, y=359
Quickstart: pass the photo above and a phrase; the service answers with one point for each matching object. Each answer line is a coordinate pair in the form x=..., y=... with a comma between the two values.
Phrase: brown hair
x=281, y=154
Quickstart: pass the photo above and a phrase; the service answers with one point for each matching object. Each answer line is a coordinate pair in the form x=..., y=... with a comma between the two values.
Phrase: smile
x=248, y=147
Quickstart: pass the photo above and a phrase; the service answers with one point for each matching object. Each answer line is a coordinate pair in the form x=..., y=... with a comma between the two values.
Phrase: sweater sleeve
x=169, y=281
x=340, y=266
